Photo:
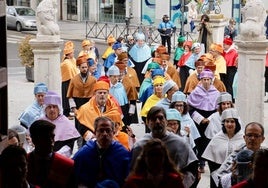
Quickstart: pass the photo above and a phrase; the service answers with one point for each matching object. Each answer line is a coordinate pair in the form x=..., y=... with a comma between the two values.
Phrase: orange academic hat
x=86, y=42
x=111, y=39
x=81, y=59
x=216, y=47
x=207, y=57
x=69, y=44
x=161, y=49
x=210, y=65
x=68, y=49
x=122, y=56
x=101, y=85
x=165, y=56
x=121, y=65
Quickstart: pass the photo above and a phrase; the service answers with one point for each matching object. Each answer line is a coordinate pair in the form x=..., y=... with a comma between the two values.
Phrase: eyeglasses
x=253, y=135
x=108, y=131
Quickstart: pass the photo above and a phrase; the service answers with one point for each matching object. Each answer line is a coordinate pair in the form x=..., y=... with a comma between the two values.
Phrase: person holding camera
x=205, y=32
x=230, y=31
x=166, y=28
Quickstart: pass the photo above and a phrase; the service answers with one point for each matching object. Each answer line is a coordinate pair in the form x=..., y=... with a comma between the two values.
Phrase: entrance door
x=72, y=10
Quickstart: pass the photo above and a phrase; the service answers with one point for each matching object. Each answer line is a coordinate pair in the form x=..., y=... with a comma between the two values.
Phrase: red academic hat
x=104, y=78
x=228, y=41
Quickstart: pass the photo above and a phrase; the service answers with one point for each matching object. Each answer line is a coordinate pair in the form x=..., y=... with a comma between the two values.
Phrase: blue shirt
x=89, y=160
x=168, y=26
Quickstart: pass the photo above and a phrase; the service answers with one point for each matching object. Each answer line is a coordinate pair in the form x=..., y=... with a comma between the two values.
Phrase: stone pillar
x=250, y=94
x=251, y=62
x=47, y=63
x=46, y=46
x=218, y=22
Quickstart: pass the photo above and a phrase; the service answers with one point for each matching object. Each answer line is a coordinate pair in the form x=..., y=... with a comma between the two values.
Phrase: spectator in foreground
x=260, y=171
x=102, y=158
x=13, y=168
x=180, y=152
x=46, y=168
x=154, y=168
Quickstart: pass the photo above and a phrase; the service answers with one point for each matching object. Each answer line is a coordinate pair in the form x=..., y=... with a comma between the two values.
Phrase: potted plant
x=27, y=57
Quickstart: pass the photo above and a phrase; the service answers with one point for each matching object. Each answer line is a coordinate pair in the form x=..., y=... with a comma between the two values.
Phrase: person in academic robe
x=36, y=109
x=130, y=85
x=68, y=71
x=65, y=132
x=81, y=86
x=202, y=103
x=169, y=88
x=230, y=138
x=99, y=105
x=155, y=97
x=230, y=55
x=217, y=51
x=87, y=49
x=169, y=69
x=118, y=91
x=218, y=84
x=139, y=54
x=194, y=78
x=112, y=58
x=110, y=41
x=215, y=124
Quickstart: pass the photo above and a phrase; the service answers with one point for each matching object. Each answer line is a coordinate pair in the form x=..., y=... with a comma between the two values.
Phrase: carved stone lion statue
x=46, y=16
x=253, y=16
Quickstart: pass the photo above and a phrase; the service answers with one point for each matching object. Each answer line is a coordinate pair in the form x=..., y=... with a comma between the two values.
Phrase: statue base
x=47, y=62
x=46, y=38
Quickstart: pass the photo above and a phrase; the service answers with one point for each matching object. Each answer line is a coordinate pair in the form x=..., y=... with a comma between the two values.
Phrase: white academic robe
x=220, y=147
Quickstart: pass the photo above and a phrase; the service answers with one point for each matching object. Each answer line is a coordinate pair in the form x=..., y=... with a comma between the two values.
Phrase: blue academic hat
x=157, y=72
x=40, y=88
x=178, y=96
x=116, y=45
x=173, y=114
x=90, y=62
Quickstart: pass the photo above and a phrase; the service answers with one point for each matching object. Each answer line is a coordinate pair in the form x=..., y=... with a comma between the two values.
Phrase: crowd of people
x=187, y=109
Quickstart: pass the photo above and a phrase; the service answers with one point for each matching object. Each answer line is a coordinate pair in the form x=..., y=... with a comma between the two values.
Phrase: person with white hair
x=139, y=54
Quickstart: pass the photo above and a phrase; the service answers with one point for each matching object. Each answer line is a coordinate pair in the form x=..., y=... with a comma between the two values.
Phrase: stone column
x=251, y=62
x=250, y=94
x=46, y=46
x=218, y=22
x=47, y=63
